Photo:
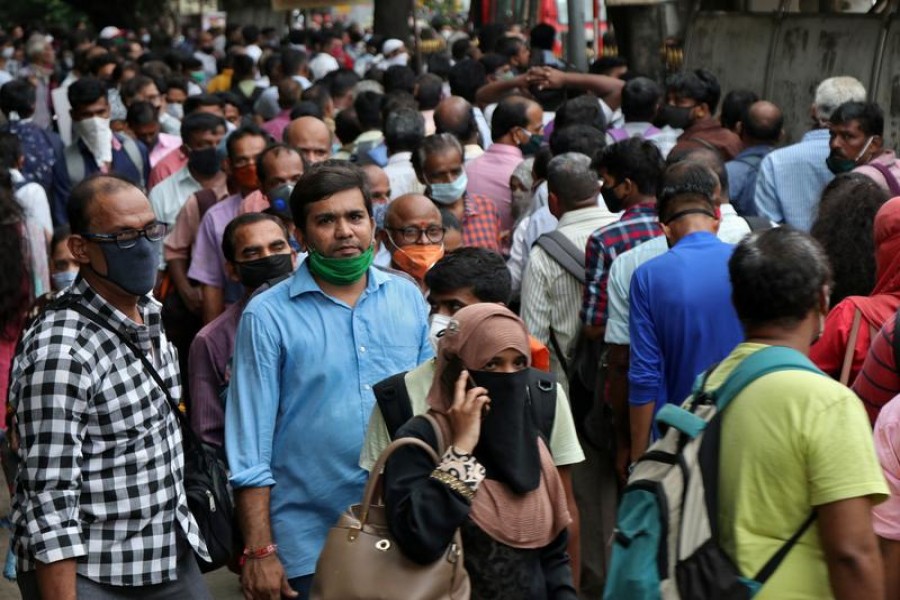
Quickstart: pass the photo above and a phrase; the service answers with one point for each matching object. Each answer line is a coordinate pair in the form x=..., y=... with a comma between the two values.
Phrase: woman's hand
x=466, y=412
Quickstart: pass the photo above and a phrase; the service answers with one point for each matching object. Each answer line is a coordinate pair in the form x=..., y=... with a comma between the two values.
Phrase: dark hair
x=459, y=50
x=868, y=115
x=634, y=159
x=605, y=64
x=404, y=130
x=247, y=130
x=342, y=81
x=395, y=101
x=583, y=110
x=492, y=61
x=306, y=108
x=707, y=157
x=463, y=129
x=844, y=228
x=640, y=99
x=490, y=35
x=229, y=236
x=346, y=125
x=133, y=86
x=292, y=61
x=178, y=83
x=60, y=235
x=15, y=285
x=399, y=78
x=317, y=93
x=323, y=180
x=543, y=36
x=192, y=103
x=250, y=33
x=429, y=91
x=699, y=85
x=85, y=91
x=578, y=138
x=243, y=69
x=141, y=113
x=541, y=161
x=230, y=98
x=481, y=270
x=289, y=91
x=368, y=109
x=200, y=122
x=510, y=113
x=10, y=150
x=84, y=194
x=439, y=66
x=735, y=105
x=683, y=183
x=18, y=95
x=466, y=77
x=762, y=130
x=270, y=63
x=508, y=47
x=98, y=62
x=776, y=277
x=276, y=149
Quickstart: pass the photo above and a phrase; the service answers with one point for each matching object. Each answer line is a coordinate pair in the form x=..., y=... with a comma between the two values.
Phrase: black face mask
x=204, y=162
x=508, y=446
x=254, y=273
x=613, y=202
x=677, y=117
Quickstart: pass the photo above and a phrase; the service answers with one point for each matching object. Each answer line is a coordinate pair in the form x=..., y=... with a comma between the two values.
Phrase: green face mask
x=340, y=271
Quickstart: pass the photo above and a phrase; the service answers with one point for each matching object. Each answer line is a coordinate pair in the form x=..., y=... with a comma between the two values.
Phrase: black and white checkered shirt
x=101, y=472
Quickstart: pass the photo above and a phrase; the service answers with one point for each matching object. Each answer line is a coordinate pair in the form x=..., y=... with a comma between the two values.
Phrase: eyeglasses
x=128, y=238
x=411, y=235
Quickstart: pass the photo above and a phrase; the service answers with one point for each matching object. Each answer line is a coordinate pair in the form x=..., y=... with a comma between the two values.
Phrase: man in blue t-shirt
x=682, y=320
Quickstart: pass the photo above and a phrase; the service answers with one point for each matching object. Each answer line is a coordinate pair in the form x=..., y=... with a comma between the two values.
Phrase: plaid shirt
x=481, y=223
x=101, y=471
x=637, y=225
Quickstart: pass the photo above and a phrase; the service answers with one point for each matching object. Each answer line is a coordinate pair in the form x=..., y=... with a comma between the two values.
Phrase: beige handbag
x=361, y=561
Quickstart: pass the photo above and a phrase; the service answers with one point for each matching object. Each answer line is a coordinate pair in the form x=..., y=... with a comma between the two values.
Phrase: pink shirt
x=166, y=144
x=489, y=176
x=276, y=126
x=886, y=516
x=887, y=159
x=170, y=163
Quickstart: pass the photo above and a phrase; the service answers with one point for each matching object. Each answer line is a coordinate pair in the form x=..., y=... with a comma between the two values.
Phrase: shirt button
x=362, y=348
x=367, y=387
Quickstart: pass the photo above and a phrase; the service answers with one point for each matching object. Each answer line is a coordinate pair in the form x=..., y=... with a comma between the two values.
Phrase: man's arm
x=189, y=294
x=890, y=555
x=574, y=544
x=645, y=370
x=603, y=86
x=494, y=91
x=261, y=578
x=56, y=580
x=594, y=271
x=851, y=550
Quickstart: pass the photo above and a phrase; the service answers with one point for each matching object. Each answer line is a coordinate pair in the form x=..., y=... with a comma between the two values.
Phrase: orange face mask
x=416, y=259
x=246, y=177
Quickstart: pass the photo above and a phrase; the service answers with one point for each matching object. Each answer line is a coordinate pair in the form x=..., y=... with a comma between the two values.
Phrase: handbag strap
x=372, y=485
x=851, y=347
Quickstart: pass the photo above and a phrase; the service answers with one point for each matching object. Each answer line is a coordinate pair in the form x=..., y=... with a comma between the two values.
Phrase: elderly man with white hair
x=41, y=59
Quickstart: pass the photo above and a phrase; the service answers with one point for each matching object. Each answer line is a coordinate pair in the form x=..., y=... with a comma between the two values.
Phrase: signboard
x=213, y=19
x=299, y=4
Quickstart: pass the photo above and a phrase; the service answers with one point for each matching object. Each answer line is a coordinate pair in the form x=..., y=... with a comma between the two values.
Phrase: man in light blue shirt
x=307, y=353
x=791, y=179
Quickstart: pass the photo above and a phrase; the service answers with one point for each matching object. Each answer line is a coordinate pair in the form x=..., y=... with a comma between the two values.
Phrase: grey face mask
x=132, y=269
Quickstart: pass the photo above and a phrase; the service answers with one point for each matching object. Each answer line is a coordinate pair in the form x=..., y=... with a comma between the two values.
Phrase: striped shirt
x=550, y=295
x=790, y=181
x=879, y=379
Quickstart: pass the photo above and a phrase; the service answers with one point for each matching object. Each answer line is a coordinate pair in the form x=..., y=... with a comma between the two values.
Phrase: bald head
x=762, y=124
x=411, y=210
x=454, y=116
x=311, y=138
x=379, y=184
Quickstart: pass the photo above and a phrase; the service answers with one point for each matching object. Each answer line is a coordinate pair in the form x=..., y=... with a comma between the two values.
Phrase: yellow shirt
x=791, y=440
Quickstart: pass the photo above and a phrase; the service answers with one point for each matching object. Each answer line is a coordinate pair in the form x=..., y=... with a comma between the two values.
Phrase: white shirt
x=402, y=176
x=733, y=227
x=169, y=195
x=253, y=51
x=551, y=297
x=33, y=200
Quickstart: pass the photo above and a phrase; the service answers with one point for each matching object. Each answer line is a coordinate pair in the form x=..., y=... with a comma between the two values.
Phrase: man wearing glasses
x=413, y=234
x=100, y=504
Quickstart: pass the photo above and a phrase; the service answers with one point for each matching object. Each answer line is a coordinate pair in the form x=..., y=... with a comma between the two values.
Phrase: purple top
x=489, y=176
x=207, y=260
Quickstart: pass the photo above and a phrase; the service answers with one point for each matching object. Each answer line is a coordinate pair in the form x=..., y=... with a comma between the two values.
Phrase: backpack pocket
x=639, y=552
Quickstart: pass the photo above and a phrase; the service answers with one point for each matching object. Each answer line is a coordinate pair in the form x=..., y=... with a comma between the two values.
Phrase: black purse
x=209, y=496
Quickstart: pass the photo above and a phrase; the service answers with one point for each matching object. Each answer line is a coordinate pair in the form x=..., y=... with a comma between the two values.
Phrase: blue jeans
x=302, y=585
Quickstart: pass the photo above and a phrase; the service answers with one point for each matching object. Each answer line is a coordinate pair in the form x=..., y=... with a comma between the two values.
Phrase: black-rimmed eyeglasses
x=128, y=238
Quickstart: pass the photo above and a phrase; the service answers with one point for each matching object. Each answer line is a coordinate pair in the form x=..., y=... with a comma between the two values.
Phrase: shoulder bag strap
x=851, y=346
x=205, y=200
x=134, y=155
x=564, y=253
x=74, y=163
x=773, y=563
x=559, y=353
x=892, y=183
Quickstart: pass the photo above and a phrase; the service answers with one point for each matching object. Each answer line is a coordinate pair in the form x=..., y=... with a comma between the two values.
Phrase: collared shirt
x=208, y=362
x=207, y=261
x=742, y=178
x=102, y=464
x=790, y=181
x=181, y=237
x=550, y=295
x=707, y=132
x=480, y=223
x=169, y=196
x=165, y=144
x=121, y=164
x=682, y=319
x=489, y=176
x=171, y=163
x=276, y=126
x=526, y=233
x=887, y=159
x=402, y=176
x=664, y=139
x=301, y=394
x=638, y=224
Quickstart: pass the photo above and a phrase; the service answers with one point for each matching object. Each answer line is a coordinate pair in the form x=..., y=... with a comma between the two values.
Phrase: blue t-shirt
x=681, y=319
x=300, y=398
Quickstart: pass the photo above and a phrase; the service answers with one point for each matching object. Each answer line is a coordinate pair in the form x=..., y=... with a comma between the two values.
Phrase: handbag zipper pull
x=212, y=501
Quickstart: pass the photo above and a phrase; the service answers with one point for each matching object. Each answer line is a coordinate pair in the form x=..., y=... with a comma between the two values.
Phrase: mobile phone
x=472, y=384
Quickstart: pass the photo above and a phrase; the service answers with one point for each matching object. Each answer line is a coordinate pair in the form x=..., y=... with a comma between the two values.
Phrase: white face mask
x=96, y=134
x=436, y=326
x=399, y=59
x=175, y=110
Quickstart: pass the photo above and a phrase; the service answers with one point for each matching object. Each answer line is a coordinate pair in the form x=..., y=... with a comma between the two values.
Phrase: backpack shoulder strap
x=758, y=223
x=851, y=347
x=74, y=163
x=542, y=388
x=134, y=155
x=393, y=402
x=205, y=200
x=751, y=161
x=893, y=184
x=564, y=253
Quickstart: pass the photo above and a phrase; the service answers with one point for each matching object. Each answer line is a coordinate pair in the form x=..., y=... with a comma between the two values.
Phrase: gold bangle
x=454, y=484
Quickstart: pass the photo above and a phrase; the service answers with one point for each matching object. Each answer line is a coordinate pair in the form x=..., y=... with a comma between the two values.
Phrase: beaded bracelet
x=454, y=484
x=263, y=552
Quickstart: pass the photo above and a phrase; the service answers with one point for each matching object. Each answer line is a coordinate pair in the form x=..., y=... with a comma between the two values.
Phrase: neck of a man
x=692, y=224
x=639, y=199
x=118, y=298
x=800, y=337
x=458, y=208
x=348, y=294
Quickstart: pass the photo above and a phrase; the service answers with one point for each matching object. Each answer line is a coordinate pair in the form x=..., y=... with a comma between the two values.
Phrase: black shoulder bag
x=205, y=473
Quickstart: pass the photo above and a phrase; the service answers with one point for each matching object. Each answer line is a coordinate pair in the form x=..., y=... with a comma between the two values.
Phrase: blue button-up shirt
x=742, y=179
x=301, y=393
x=790, y=181
x=682, y=320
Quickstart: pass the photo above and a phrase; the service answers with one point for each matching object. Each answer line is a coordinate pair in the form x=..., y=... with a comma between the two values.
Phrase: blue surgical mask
x=448, y=193
x=132, y=269
x=63, y=279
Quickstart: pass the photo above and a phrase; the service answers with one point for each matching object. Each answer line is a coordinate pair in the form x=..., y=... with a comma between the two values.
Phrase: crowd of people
x=315, y=249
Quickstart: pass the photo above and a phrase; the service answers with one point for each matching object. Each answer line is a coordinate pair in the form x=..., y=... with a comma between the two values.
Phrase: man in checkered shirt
x=100, y=509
